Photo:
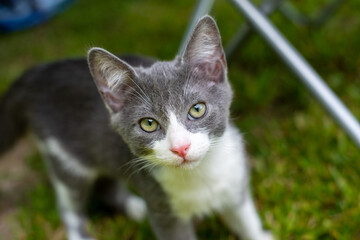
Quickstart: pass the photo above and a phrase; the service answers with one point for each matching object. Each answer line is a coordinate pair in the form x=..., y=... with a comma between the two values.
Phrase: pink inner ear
x=111, y=100
x=212, y=70
x=216, y=69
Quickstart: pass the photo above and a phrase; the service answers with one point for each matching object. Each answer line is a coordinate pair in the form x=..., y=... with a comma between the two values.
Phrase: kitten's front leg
x=72, y=203
x=72, y=182
x=164, y=223
x=244, y=220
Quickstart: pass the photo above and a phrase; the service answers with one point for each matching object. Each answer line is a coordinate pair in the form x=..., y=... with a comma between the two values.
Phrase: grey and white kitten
x=161, y=126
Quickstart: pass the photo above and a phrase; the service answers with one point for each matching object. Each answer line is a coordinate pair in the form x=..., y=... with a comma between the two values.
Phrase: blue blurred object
x=20, y=14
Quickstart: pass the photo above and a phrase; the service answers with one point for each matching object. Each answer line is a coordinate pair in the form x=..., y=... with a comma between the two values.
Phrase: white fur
x=244, y=220
x=55, y=148
x=211, y=186
x=217, y=184
x=177, y=135
x=74, y=235
x=64, y=199
x=72, y=220
x=135, y=208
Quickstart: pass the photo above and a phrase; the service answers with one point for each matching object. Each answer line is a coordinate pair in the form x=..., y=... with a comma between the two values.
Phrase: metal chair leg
x=301, y=69
x=316, y=20
x=267, y=7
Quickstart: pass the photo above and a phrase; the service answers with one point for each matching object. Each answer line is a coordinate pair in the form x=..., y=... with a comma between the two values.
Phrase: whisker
x=138, y=97
x=145, y=95
x=139, y=94
x=136, y=165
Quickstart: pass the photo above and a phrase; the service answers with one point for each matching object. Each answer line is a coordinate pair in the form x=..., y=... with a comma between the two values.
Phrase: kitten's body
x=212, y=185
x=61, y=106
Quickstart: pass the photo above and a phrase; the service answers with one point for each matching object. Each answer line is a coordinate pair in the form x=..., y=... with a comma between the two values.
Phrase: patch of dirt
x=15, y=179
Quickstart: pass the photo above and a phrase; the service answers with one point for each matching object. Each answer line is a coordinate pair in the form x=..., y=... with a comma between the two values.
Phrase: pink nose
x=182, y=150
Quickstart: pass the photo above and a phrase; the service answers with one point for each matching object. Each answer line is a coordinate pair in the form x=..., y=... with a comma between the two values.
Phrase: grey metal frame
x=291, y=57
x=319, y=18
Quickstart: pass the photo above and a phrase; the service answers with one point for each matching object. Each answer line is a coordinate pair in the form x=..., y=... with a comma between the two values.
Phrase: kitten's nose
x=181, y=150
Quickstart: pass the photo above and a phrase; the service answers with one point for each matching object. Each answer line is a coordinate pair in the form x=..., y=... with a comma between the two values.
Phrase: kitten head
x=172, y=112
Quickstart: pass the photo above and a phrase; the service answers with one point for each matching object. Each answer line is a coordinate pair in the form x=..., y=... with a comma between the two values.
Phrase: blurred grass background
x=305, y=170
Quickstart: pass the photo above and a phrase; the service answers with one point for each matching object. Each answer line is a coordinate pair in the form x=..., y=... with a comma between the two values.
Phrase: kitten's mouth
x=187, y=164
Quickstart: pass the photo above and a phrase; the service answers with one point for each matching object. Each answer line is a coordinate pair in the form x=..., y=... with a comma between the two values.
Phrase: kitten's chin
x=180, y=164
x=188, y=165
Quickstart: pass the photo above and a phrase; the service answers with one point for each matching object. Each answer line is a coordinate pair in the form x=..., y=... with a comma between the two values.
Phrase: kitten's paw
x=136, y=208
x=267, y=235
x=81, y=238
x=74, y=235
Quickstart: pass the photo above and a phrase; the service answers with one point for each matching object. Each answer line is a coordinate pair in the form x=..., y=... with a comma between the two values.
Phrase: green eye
x=149, y=125
x=197, y=111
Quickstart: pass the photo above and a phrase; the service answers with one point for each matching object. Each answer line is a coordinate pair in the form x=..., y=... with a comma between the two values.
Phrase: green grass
x=305, y=170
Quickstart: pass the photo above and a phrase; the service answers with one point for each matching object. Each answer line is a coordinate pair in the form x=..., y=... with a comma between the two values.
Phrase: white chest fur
x=212, y=185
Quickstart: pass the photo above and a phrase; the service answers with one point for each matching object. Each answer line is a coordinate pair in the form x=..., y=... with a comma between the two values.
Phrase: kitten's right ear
x=111, y=76
x=204, y=50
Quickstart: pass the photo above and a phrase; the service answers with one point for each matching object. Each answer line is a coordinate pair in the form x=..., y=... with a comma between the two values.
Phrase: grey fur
x=60, y=100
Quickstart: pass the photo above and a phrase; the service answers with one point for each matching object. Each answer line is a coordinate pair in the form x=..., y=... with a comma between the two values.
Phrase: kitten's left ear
x=204, y=50
x=112, y=77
